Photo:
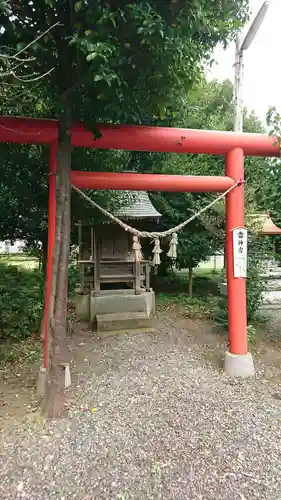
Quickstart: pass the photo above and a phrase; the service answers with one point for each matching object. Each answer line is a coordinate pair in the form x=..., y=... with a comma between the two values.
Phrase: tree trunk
x=55, y=392
x=190, y=281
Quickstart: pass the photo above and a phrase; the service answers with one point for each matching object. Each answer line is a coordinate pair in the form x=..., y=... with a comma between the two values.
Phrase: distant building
x=11, y=247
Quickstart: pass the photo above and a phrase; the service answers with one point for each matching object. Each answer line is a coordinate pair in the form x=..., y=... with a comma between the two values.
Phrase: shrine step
x=123, y=321
x=125, y=303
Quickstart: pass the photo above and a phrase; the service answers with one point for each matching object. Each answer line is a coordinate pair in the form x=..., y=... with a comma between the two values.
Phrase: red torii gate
x=159, y=139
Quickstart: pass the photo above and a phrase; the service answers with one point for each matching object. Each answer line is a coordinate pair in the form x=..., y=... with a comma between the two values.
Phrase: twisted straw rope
x=153, y=235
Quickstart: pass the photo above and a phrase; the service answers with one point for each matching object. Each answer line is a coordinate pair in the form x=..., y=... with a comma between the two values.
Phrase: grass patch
x=208, y=273
x=205, y=282
x=20, y=260
x=193, y=308
x=28, y=350
x=171, y=293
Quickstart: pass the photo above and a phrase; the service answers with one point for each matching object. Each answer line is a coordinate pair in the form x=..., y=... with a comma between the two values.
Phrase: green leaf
x=112, y=19
x=38, y=106
x=78, y=6
x=91, y=56
x=98, y=78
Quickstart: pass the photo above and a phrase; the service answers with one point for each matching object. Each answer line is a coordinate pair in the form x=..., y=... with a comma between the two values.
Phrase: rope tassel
x=172, y=253
x=137, y=249
x=156, y=253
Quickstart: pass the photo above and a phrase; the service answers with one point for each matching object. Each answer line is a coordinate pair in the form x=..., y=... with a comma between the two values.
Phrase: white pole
x=239, y=64
x=255, y=26
x=238, y=87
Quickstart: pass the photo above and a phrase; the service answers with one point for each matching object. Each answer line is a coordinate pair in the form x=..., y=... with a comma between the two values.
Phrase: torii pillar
x=238, y=361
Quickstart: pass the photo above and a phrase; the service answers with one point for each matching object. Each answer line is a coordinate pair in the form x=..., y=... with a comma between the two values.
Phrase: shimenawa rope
x=155, y=236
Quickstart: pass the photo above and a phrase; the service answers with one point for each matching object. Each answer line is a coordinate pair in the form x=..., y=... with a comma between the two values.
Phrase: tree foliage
x=135, y=65
x=24, y=189
x=113, y=61
x=120, y=57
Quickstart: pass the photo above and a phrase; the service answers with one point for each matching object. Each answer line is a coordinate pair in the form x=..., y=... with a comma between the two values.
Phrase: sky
x=262, y=83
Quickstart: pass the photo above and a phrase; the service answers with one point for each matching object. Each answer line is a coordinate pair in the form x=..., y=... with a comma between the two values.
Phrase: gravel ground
x=152, y=417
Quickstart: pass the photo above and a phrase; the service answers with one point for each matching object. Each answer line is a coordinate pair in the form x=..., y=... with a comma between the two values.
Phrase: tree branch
x=15, y=58
x=27, y=79
x=36, y=39
x=10, y=73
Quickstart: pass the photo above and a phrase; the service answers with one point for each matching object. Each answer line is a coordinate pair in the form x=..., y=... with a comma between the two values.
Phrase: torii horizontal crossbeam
x=150, y=182
x=139, y=138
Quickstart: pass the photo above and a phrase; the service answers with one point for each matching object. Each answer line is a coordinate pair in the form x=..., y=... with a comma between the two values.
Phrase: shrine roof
x=267, y=226
x=140, y=208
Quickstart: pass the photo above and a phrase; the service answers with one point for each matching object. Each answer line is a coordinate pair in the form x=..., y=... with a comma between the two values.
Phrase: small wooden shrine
x=105, y=252
x=110, y=274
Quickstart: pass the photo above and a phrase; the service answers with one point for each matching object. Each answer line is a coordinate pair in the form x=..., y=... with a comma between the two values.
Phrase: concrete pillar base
x=41, y=382
x=239, y=365
x=41, y=379
x=67, y=376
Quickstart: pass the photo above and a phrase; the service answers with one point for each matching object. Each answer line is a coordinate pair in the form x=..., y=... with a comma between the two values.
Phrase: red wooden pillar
x=238, y=361
x=51, y=244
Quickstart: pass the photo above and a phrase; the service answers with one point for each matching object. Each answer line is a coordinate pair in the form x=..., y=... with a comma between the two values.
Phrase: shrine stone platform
x=113, y=310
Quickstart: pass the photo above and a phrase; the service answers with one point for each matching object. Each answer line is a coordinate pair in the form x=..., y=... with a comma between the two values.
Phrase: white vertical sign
x=240, y=243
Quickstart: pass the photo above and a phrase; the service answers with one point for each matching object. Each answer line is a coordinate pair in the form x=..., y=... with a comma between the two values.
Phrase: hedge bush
x=21, y=301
